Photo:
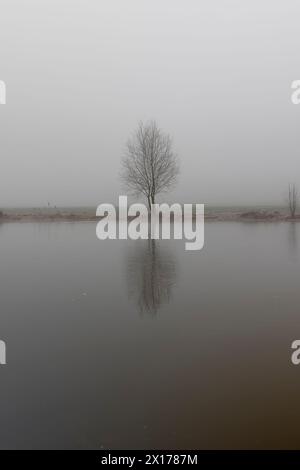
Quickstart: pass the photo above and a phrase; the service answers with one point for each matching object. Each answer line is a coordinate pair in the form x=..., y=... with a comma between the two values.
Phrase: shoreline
x=86, y=216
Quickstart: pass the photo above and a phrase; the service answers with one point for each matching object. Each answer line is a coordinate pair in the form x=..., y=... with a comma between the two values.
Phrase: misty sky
x=215, y=74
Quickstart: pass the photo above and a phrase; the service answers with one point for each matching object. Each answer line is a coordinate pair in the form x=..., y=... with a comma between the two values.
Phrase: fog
x=215, y=74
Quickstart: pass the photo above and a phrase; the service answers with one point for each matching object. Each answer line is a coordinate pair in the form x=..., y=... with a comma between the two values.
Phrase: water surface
x=136, y=344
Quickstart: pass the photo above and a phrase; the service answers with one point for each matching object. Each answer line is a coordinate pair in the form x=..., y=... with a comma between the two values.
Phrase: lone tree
x=292, y=199
x=149, y=166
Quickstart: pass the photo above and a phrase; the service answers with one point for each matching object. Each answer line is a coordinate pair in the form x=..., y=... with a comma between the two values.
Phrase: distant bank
x=217, y=214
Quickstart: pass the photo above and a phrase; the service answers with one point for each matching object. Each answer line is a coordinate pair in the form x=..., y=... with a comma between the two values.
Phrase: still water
x=131, y=344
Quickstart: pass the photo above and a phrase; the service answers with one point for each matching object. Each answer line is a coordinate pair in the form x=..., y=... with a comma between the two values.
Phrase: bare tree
x=292, y=199
x=149, y=166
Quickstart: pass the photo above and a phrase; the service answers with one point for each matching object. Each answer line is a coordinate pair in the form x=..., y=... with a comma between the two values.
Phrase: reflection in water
x=227, y=297
x=292, y=240
x=151, y=275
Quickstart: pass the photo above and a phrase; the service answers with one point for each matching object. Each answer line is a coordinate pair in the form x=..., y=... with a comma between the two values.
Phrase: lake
x=138, y=344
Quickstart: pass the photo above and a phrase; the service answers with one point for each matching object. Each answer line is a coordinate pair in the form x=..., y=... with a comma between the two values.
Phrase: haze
x=215, y=74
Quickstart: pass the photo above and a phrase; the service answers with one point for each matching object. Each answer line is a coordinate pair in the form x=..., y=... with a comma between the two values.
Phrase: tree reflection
x=151, y=275
x=292, y=240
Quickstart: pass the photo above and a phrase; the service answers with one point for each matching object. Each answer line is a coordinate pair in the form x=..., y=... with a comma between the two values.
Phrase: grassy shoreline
x=88, y=215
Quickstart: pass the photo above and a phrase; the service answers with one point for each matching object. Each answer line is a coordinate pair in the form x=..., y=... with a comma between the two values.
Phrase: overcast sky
x=215, y=74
